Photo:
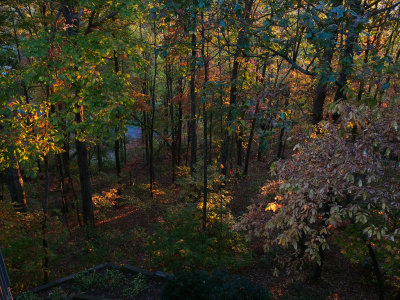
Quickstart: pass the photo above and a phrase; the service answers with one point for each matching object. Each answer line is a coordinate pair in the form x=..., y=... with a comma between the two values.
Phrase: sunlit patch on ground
x=117, y=217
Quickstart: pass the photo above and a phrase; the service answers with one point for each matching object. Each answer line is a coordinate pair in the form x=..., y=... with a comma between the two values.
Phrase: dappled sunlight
x=119, y=216
x=107, y=198
x=270, y=187
x=261, y=137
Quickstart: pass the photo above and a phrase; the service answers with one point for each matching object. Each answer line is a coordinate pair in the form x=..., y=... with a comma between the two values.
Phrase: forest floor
x=126, y=215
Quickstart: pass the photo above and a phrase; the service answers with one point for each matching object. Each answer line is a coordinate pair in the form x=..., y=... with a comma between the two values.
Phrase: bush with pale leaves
x=345, y=175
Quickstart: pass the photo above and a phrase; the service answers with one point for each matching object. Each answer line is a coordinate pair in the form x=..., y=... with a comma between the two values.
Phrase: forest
x=236, y=149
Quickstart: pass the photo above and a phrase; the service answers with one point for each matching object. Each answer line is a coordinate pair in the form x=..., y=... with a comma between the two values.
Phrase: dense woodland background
x=259, y=136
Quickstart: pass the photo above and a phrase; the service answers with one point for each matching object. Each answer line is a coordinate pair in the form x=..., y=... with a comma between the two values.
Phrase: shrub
x=58, y=293
x=22, y=244
x=202, y=285
x=87, y=281
x=112, y=279
x=136, y=287
x=179, y=242
x=27, y=296
x=343, y=180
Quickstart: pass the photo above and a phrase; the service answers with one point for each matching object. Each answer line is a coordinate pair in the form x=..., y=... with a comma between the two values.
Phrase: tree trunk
x=254, y=122
x=84, y=176
x=322, y=85
x=210, y=137
x=193, y=133
x=347, y=57
x=72, y=19
x=124, y=149
x=46, y=257
x=153, y=108
x=362, y=82
x=241, y=40
x=145, y=136
x=170, y=105
x=99, y=157
x=239, y=146
x=117, y=157
x=253, y=126
x=318, y=267
x=180, y=124
x=205, y=146
x=66, y=205
x=232, y=103
x=117, y=139
x=377, y=271
x=15, y=186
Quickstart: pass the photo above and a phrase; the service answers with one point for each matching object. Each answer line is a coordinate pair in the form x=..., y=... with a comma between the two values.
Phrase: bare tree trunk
x=232, y=103
x=242, y=36
x=322, y=85
x=362, y=83
x=180, y=124
x=117, y=139
x=124, y=147
x=117, y=157
x=172, y=116
x=193, y=131
x=325, y=66
x=46, y=257
x=253, y=124
x=377, y=271
x=347, y=56
x=72, y=19
x=153, y=108
x=86, y=190
x=15, y=186
x=66, y=205
x=70, y=185
x=205, y=146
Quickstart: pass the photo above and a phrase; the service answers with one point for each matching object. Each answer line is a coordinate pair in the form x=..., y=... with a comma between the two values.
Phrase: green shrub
x=217, y=285
x=22, y=244
x=136, y=287
x=27, y=296
x=112, y=279
x=58, y=293
x=180, y=243
x=87, y=281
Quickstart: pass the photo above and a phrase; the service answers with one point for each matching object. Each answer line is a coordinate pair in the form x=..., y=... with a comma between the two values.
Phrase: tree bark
x=377, y=271
x=205, y=145
x=180, y=123
x=322, y=85
x=325, y=67
x=346, y=59
x=84, y=176
x=72, y=19
x=193, y=131
x=252, y=130
x=242, y=37
x=117, y=157
x=172, y=117
x=153, y=108
x=45, y=202
x=253, y=123
x=15, y=186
